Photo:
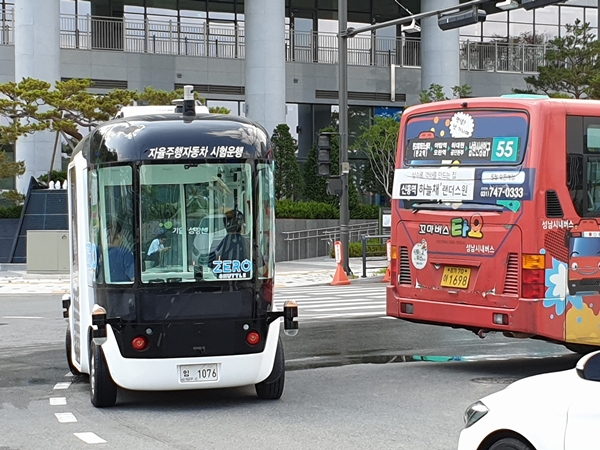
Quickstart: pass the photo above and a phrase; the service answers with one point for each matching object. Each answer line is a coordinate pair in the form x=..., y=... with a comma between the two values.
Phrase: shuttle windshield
x=196, y=222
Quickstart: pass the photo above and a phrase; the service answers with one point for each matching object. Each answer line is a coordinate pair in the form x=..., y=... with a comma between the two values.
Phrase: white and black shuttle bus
x=172, y=257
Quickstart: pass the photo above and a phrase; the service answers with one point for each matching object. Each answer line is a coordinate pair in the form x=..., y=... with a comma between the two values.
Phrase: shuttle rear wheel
x=103, y=390
x=272, y=387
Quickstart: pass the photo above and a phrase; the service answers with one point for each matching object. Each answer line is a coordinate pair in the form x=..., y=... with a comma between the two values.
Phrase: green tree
x=379, y=143
x=435, y=93
x=572, y=67
x=288, y=178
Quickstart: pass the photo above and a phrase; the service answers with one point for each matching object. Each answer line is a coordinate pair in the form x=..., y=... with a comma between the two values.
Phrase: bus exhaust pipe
x=482, y=333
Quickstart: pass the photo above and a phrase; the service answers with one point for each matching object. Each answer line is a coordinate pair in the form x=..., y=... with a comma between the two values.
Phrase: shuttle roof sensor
x=189, y=104
x=507, y=5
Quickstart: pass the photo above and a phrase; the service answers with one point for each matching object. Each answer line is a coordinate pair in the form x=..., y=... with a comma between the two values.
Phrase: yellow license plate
x=456, y=277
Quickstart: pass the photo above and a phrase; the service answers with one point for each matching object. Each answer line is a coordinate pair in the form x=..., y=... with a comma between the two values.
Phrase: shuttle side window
x=116, y=224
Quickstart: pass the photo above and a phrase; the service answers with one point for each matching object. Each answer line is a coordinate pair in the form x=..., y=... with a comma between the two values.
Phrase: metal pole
x=343, y=129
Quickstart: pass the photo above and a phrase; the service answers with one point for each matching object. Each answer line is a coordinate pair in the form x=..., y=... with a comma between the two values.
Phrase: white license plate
x=198, y=372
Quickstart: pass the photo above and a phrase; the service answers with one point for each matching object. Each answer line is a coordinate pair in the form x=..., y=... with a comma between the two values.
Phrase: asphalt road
x=367, y=383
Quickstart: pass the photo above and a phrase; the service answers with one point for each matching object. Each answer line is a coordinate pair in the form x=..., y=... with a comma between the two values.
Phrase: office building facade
x=272, y=60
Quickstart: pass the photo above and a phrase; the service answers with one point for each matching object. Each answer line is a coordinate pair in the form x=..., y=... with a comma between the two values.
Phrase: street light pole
x=343, y=130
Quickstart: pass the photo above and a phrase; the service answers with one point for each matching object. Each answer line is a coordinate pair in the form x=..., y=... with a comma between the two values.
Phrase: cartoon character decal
x=573, y=281
x=584, y=263
x=419, y=254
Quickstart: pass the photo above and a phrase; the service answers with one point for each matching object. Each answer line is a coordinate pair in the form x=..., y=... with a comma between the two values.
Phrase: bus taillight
x=139, y=343
x=533, y=276
x=253, y=338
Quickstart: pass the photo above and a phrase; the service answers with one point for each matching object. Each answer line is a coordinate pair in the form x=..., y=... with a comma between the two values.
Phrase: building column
x=265, y=62
x=440, y=50
x=37, y=55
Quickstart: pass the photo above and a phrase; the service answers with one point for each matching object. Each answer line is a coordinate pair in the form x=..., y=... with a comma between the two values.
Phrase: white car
x=553, y=411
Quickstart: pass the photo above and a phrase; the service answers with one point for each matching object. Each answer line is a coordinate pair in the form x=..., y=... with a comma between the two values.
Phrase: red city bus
x=496, y=218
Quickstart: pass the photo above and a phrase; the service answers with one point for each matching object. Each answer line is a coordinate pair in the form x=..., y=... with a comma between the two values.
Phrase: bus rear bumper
x=164, y=374
x=524, y=317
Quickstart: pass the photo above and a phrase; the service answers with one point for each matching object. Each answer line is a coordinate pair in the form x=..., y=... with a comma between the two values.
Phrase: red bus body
x=496, y=217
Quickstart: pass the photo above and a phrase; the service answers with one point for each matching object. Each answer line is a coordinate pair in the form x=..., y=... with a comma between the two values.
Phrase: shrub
x=11, y=212
x=374, y=248
x=289, y=209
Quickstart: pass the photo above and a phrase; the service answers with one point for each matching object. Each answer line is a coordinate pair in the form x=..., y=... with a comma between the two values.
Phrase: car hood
x=551, y=388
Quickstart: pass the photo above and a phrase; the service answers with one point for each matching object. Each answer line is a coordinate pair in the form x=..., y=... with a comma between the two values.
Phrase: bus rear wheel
x=581, y=349
x=103, y=390
x=68, y=346
x=272, y=387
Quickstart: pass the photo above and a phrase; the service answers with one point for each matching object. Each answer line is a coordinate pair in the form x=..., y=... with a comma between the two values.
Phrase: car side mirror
x=588, y=367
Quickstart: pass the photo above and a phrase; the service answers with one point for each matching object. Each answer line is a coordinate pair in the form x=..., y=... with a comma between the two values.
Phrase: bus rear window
x=476, y=137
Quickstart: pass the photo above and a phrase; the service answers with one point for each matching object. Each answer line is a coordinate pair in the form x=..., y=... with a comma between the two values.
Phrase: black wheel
x=582, y=349
x=272, y=387
x=511, y=444
x=103, y=390
x=68, y=346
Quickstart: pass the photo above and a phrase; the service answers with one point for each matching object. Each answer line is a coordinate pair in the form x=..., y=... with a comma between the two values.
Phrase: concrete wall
x=302, y=79
x=7, y=63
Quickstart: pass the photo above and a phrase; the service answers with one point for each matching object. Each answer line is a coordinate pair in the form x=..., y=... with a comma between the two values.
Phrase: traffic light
x=324, y=155
x=461, y=19
x=532, y=4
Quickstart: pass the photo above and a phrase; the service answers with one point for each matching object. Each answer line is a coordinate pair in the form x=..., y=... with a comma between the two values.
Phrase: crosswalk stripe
x=330, y=302
x=344, y=308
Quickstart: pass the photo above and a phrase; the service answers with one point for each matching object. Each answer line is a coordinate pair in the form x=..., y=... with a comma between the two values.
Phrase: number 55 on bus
x=496, y=218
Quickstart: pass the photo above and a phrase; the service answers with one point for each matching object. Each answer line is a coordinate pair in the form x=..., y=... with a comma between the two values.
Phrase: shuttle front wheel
x=68, y=346
x=272, y=387
x=103, y=390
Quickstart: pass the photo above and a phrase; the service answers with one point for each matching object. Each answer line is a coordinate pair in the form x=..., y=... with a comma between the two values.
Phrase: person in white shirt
x=156, y=249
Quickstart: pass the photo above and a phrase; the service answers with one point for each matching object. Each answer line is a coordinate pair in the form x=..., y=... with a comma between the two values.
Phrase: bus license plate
x=198, y=372
x=456, y=277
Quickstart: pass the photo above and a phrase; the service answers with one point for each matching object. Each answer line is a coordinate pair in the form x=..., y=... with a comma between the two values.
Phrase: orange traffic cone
x=340, y=278
x=387, y=277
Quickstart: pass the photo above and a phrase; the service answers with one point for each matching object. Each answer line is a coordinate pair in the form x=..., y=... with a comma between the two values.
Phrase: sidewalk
x=305, y=272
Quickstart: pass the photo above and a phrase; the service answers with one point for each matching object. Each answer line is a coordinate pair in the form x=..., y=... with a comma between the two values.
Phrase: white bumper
x=163, y=374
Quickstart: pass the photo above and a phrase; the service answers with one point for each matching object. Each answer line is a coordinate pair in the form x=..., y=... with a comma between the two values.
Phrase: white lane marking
x=90, y=438
x=22, y=317
x=65, y=417
x=63, y=385
x=57, y=401
x=68, y=374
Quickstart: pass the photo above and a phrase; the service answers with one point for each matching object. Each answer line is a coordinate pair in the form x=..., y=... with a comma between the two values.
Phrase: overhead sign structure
x=461, y=19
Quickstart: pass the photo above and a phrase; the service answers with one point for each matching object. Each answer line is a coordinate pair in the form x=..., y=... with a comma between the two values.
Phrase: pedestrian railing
x=7, y=24
x=375, y=259
x=205, y=39
x=316, y=242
